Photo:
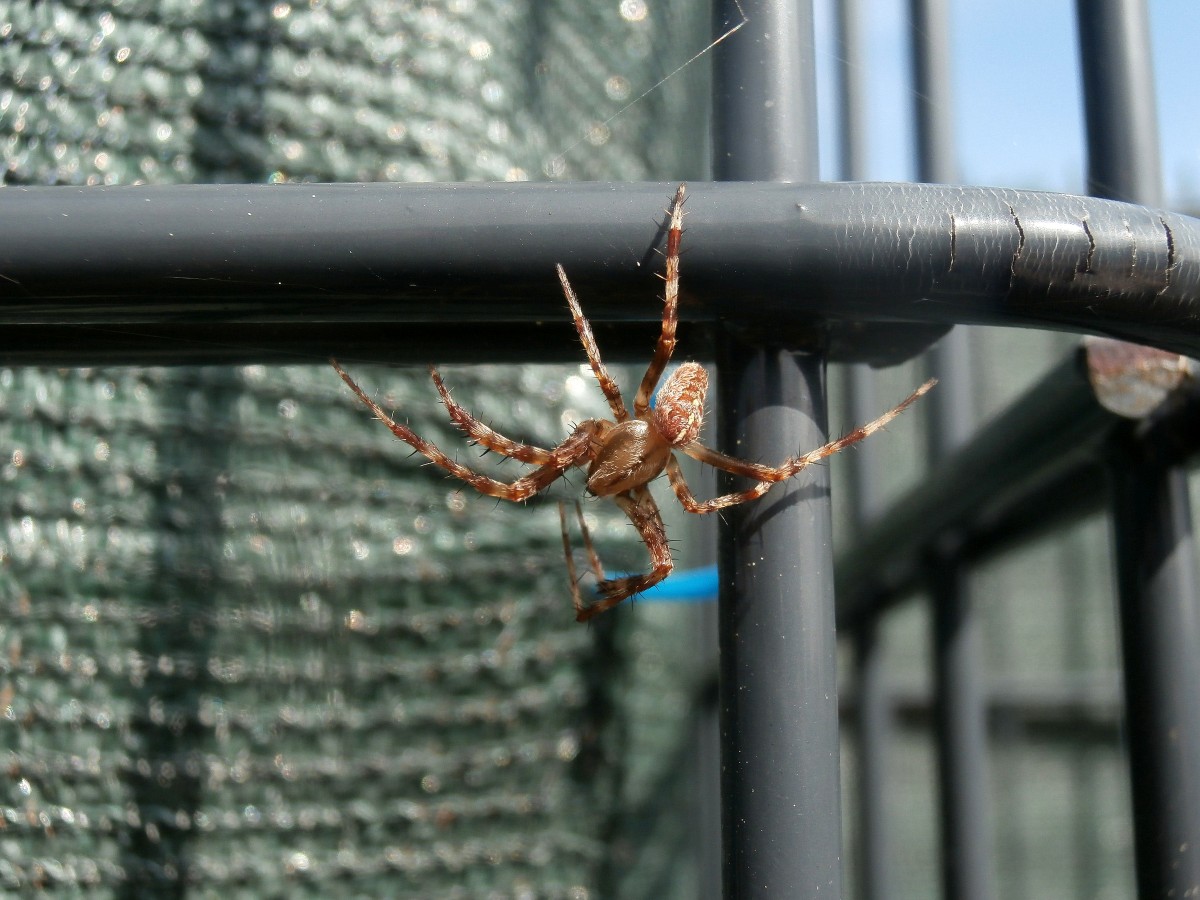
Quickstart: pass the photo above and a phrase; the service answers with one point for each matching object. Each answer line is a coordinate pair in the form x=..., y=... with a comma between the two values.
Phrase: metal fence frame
x=208, y=273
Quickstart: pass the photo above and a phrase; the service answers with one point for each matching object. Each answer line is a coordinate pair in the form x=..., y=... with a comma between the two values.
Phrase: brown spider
x=623, y=456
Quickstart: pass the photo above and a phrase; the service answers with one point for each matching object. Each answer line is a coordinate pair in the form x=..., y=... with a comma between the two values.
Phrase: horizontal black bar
x=1035, y=466
x=1076, y=710
x=201, y=343
x=765, y=259
x=1010, y=470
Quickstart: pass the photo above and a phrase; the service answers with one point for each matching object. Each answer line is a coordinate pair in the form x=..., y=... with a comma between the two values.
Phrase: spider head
x=679, y=406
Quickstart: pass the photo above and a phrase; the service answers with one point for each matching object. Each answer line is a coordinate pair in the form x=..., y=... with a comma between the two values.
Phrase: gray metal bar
x=414, y=343
x=779, y=721
x=765, y=102
x=770, y=256
x=1160, y=634
x=1158, y=594
x=874, y=731
x=873, y=719
x=930, y=33
x=1038, y=465
x=874, y=727
x=960, y=715
x=1120, y=114
x=778, y=683
x=961, y=736
x=961, y=727
x=1026, y=470
x=851, y=91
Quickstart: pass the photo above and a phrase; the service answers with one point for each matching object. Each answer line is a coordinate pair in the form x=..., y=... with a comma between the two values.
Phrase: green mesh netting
x=246, y=642
x=249, y=647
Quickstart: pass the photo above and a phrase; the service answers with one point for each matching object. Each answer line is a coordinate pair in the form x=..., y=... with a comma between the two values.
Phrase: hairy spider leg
x=767, y=476
x=589, y=547
x=569, y=554
x=642, y=511
x=670, y=317
x=576, y=448
x=481, y=434
x=607, y=384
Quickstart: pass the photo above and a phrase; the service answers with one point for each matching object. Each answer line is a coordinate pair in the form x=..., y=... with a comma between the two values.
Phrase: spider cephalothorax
x=624, y=454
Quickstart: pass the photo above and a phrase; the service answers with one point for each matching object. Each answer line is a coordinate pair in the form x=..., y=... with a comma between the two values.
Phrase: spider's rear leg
x=571, y=452
x=642, y=511
x=589, y=547
x=485, y=436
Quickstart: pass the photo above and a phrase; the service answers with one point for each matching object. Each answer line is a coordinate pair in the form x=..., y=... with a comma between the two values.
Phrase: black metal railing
x=847, y=271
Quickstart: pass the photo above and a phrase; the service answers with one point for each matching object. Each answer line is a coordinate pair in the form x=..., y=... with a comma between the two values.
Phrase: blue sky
x=1017, y=108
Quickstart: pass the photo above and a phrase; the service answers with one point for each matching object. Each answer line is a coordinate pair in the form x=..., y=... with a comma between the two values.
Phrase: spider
x=623, y=456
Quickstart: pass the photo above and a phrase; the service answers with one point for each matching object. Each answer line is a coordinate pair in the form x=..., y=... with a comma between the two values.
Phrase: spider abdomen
x=679, y=407
x=631, y=454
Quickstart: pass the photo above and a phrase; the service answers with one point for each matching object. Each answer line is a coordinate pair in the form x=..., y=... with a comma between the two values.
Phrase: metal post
x=930, y=22
x=1156, y=558
x=874, y=739
x=779, y=715
x=779, y=705
x=1119, y=101
x=874, y=710
x=850, y=92
x=960, y=714
x=1160, y=633
x=960, y=718
x=873, y=730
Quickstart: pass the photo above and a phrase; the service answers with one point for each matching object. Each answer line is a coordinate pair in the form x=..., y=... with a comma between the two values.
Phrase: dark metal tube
x=959, y=709
x=1160, y=636
x=1119, y=101
x=779, y=715
x=1009, y=479
x=873, y=731
x=960, y=720
x=961, y=728
x=874, y=727
x=766, y=256
x=960, y=714
x=1156, y=557
x=932, y=82
x=779, y=719
x=764, y=93
x=851, y=91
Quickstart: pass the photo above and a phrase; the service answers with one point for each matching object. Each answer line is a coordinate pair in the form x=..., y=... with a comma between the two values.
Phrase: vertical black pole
x=1156, y=557
x=874, y=738
x=1119, y=101
x=1160, y=634
x=874, y=715
x=960, y=716
x=961, y=737
x=779, y=706
x=959, y=710
x=931, y=88
x=874, y=711
x=851, y=65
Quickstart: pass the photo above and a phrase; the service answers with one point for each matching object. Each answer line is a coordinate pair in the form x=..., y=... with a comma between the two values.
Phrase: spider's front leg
x=608, y=385
x=670, y=317
x=768, y=476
